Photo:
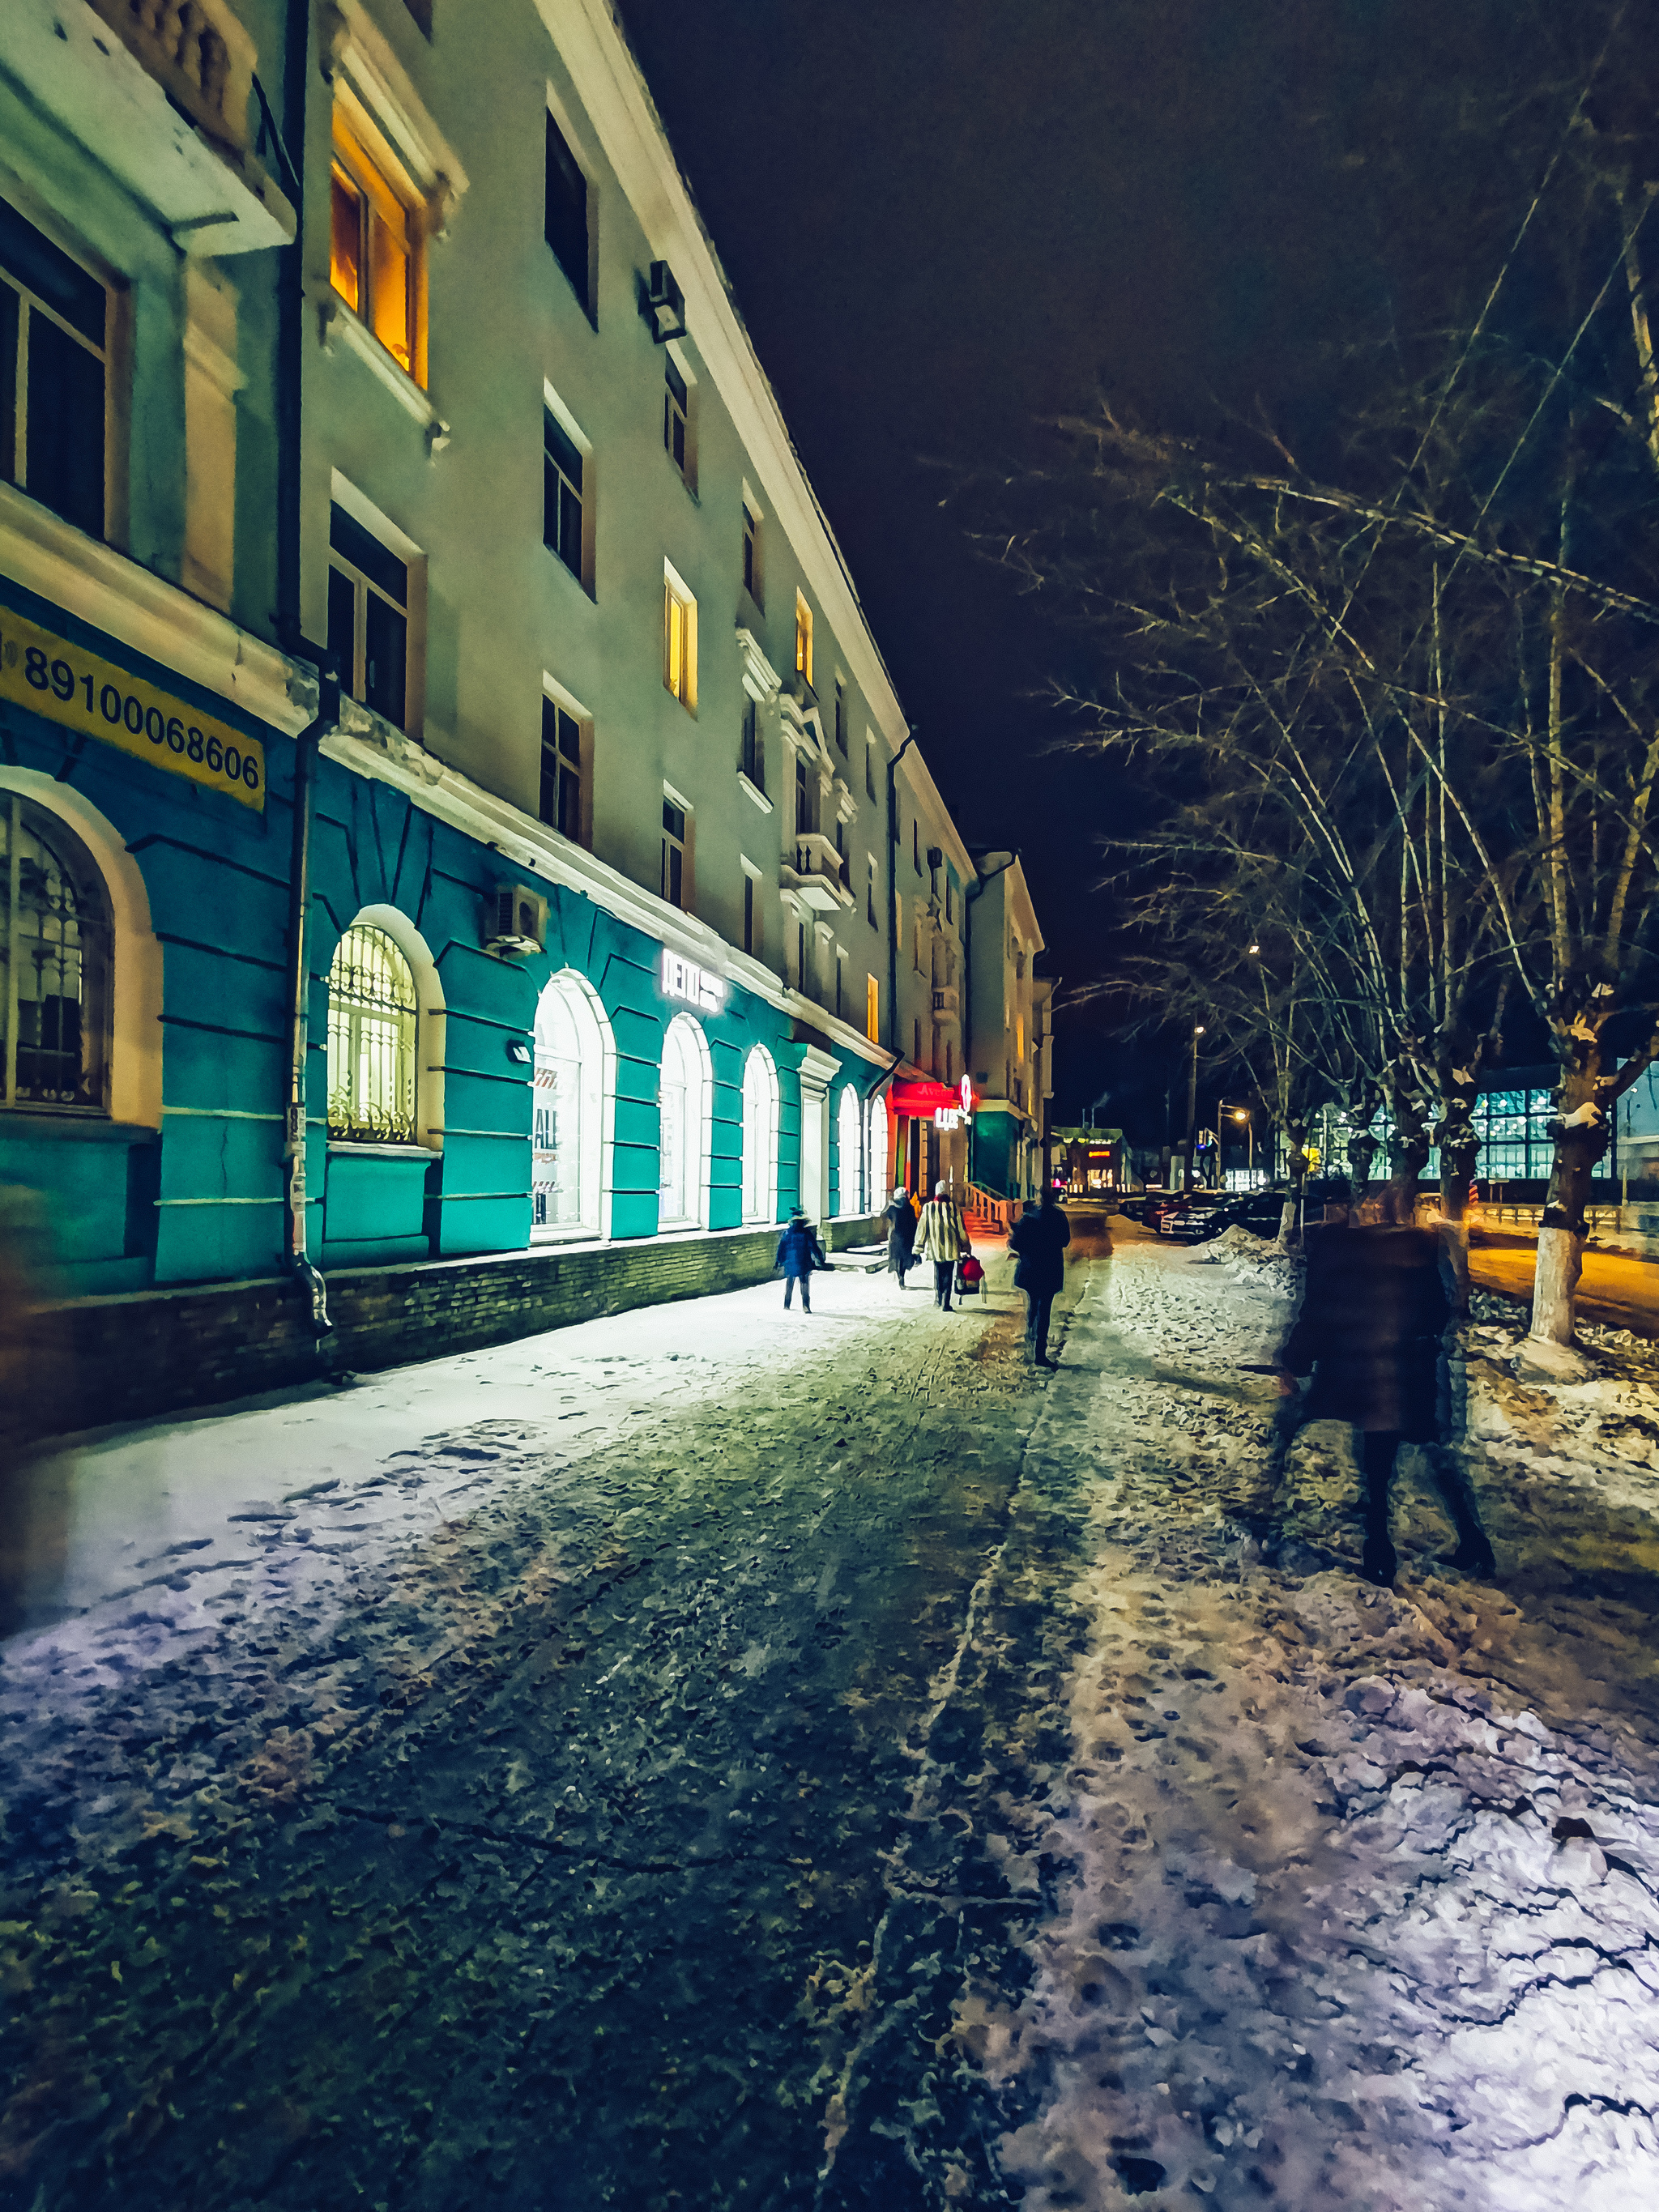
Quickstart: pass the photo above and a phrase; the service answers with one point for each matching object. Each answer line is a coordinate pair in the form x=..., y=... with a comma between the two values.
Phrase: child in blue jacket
x=799, y=1252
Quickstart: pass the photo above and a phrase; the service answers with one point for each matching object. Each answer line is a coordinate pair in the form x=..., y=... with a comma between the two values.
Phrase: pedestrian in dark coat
x=1038, y=1241
x=900, y=1216
x=1374, y=1306
x=799, y=1252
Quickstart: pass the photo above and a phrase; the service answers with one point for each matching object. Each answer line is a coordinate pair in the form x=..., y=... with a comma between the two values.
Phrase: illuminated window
x=561, y=793
x=679, y=641
x=567, y=211
x=803, y=640
x=562, y=493
x=55, y=942
x=873, y=1009
x=52, y=366
x=372, y=1017
x=760, y=1136
x=849, y=1147
x=368, y=593
x=374, y=252
x=673, y=853
x=751, y=554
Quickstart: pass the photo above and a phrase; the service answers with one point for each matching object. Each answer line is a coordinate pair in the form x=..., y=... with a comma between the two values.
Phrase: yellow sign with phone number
x=76, y=687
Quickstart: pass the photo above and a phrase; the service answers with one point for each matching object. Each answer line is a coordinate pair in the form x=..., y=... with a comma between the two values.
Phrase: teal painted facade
x=198, y=1197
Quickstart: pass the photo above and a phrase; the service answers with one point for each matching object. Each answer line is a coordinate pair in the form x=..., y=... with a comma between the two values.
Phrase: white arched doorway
x=686, y=1102
x=876, y=1136
x=760, y=1137
x=849, y=1145
x=572, y=1093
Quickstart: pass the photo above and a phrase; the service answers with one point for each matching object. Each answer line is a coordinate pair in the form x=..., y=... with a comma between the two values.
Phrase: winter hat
x=941, y=1190
x=898, y=1190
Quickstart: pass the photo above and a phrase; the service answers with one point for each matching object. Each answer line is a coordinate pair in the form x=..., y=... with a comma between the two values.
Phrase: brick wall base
x=124, y=1358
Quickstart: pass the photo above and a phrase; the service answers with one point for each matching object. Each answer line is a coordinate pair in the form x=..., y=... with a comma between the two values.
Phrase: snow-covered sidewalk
x=1361, y=1909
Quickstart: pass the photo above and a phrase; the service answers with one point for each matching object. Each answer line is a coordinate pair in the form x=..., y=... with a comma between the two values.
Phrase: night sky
x=946, y=221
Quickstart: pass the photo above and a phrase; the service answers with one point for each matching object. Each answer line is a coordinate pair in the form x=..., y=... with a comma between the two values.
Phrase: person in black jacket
x=900, y=1216
x=1038, y=1241
x=799, y=1252
x=1374, y=1309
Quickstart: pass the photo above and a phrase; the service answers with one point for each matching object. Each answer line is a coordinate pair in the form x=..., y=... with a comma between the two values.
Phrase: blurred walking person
x=942, y=1238
x=1038, y=1241
x=1375, y=1305
x=900, y=1217
x=799, y=1252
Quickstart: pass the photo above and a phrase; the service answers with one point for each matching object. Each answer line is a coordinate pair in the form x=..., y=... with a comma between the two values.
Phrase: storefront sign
x=683, y=979
x=92, y=696
x=949, y=1117
x=927, y=1100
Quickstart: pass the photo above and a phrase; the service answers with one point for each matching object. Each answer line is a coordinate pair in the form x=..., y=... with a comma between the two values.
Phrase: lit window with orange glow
x=803, y=640
x=374, y=252
x=679, y=638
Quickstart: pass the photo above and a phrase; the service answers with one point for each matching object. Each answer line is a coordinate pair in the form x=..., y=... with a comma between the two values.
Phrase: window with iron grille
x=368, y=617
x=673, y=853
x=55, y=942
x=561, y=770
x=372, y=1016
x=567, y=212
x=53, y=362
x=562, y=493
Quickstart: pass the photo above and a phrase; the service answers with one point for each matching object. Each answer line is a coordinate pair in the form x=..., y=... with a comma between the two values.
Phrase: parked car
x=1193, y=1216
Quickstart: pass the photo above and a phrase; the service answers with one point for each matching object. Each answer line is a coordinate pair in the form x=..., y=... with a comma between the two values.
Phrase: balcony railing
x=198, y=53
x=820, y=874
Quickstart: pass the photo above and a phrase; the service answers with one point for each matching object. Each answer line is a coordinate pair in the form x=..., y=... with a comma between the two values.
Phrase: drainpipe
x=895, y=1041
x=967, y=899
x=290, y=342
x=305, y=746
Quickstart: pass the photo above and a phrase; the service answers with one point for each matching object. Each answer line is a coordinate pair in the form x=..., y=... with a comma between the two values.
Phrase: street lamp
x=1192, y=1111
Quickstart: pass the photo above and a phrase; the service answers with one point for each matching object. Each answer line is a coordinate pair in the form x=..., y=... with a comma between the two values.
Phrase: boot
x=1473, y=1555
x=1377, y=1561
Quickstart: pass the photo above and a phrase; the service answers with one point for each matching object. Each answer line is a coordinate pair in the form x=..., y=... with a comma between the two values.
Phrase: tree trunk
x=1582, y=1132
x=1408, y=1143
x=1362, y=1149
x=1296, y=1148
x=1460, y=1149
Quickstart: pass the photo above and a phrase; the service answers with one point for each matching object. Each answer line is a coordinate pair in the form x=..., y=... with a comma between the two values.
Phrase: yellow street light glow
x=1253, y=948
x=1197, y=1030
x=1240, y=1114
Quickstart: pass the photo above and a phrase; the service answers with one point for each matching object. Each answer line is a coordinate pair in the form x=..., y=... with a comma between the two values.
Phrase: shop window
x=567, y=214
x=55, y=947
x=849, y=1144
x=53, y=364
x=570, y=1106
x=373, y=1019
x=375, y=250
x=682, y=1115
x=563, y=789
x=679, y=641
x=368, y=597
x=760, y=1136
x=876, y=1137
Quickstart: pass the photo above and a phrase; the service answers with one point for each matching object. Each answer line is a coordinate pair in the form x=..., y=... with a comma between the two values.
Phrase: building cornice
x=101, y=586
x=914, y=771
x=369, y=747
x=618, y=103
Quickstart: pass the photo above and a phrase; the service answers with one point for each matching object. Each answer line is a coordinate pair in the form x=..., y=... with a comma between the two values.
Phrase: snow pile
x=1364, y=1905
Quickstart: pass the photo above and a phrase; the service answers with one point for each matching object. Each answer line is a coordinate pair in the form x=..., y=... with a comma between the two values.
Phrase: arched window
x=760, y=1137
x=849, y=1144
x=372, y=1016
x=876, y=1135
x=683, y=1100
x=55, y=941
x=571, y=1100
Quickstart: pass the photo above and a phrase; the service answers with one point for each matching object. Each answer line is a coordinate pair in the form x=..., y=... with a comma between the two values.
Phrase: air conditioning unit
x=517, y=920
x=666, y=303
